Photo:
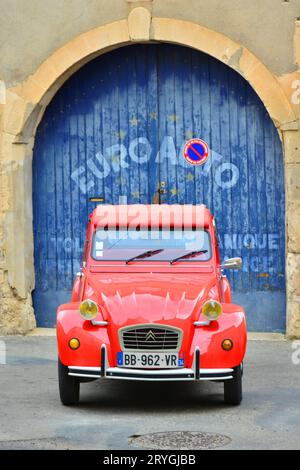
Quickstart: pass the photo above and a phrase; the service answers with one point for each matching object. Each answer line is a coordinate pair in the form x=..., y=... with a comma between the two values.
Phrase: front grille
x=150, y=338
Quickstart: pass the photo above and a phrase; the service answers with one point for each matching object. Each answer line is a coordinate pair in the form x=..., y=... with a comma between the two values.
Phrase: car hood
x=151, y=297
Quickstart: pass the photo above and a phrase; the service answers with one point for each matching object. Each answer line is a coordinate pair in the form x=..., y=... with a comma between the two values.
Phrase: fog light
x=227, y=344
x=74, y=343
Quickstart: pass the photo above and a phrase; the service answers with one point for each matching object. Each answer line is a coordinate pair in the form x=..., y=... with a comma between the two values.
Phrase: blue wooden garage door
x=117, y=128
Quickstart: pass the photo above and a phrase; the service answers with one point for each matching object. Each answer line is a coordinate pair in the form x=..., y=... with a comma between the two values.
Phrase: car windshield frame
x=174, y=252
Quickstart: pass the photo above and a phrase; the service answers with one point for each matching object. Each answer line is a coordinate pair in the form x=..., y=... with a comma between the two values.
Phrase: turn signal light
x=74, y=343
x=227, y=344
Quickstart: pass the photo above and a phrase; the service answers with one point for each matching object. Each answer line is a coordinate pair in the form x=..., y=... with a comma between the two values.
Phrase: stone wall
x=36, y=60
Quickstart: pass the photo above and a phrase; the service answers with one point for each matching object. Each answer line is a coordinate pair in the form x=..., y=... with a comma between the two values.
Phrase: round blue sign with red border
x=196, y=151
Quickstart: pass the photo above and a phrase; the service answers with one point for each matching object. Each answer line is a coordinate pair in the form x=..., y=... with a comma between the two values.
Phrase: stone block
x=292, y=183
x=139, y=22
x=293, y=227
x=291, y=146
x=293, y=320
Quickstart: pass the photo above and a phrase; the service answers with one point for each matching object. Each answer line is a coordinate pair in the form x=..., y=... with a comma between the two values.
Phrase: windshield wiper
x=146, y=254
x=188, y=255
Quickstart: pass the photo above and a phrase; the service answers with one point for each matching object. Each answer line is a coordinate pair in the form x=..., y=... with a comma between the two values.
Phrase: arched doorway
x=116, y=129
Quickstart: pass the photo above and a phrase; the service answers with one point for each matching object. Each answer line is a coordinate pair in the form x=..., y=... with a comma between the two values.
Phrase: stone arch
x=40, y=87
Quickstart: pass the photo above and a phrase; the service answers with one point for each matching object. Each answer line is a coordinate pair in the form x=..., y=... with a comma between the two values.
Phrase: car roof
x=154, y=215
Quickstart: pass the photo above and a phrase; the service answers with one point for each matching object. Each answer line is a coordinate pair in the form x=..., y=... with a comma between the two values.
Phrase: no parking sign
x=196, y=151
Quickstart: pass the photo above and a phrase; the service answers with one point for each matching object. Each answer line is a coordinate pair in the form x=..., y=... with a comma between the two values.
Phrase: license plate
x=140, y=360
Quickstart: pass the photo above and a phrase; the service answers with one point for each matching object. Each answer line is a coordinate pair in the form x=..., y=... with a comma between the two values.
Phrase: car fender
x=231, y=325
x=69, y=324
x=226, y=289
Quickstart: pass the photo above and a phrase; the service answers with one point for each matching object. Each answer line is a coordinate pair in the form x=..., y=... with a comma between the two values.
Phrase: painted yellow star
x=173, y=118
x=134, y=121
x=174, y=191
x=190, y=177
x=135, y=195
x=115, y=159
x=120, y=181
x=120, y=135
x=153, y=115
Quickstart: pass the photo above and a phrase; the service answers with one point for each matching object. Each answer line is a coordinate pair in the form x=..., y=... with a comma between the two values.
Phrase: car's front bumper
x=180, y=374
x=153, y=374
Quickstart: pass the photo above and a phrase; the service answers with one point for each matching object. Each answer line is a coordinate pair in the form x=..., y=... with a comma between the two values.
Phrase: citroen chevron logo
x=150, y=336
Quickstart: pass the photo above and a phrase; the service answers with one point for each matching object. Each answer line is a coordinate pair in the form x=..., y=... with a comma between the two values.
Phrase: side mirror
x=233, y=263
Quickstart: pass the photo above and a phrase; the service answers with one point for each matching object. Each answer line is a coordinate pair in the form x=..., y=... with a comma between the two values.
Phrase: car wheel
x=233, y=393
x=69, y=387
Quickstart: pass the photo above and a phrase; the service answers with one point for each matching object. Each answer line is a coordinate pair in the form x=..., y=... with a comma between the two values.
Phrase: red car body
x=151, y=294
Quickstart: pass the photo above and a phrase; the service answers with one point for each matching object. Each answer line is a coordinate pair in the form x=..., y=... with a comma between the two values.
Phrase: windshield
x=151, y=245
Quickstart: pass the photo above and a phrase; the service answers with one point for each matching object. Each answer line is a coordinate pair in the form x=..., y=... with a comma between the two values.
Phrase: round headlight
x=88, y=309
x=212, y=310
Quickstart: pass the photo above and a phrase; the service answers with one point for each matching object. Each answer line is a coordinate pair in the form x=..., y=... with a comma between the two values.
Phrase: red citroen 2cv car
x=151, y=302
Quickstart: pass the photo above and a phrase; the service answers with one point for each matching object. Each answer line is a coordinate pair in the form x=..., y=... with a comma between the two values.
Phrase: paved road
x=31, y=415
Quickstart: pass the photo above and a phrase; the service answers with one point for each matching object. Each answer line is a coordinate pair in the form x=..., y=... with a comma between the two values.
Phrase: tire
x=233, y=392
x=69, y=387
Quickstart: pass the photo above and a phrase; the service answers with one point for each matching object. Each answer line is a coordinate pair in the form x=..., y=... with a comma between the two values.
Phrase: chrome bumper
x=153, y=375
x=124, y=373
